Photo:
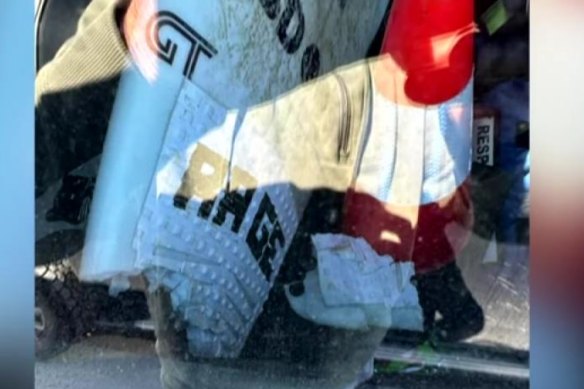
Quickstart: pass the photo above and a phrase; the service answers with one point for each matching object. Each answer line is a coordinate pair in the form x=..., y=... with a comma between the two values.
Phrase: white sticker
x=350, y=272
x=484, y=140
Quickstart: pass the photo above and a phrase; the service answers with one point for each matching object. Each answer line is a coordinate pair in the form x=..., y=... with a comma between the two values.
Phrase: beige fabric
x=74, y=64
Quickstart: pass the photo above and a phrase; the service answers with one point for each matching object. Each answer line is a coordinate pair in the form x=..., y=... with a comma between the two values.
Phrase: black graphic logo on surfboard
x=167, y=50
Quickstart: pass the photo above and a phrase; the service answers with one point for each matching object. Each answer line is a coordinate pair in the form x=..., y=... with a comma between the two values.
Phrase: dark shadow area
x=70, y=128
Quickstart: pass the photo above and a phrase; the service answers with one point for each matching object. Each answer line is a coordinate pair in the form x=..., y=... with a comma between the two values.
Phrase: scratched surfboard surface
x=241, y=53
x=249, y=51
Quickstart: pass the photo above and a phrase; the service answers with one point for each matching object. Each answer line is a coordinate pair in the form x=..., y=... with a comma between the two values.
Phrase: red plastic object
x=432, y=41
x=430, y=60
x=439, y=233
